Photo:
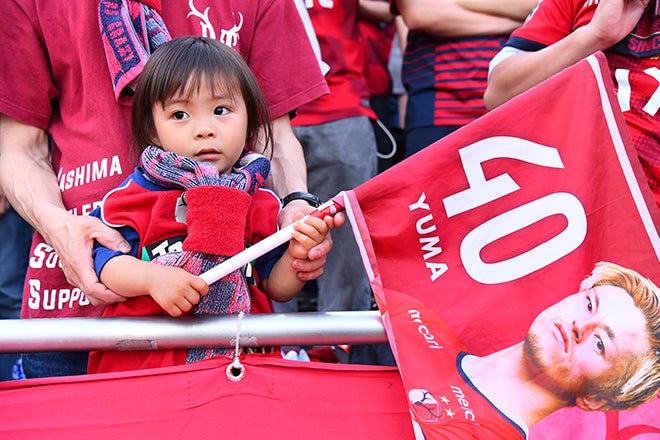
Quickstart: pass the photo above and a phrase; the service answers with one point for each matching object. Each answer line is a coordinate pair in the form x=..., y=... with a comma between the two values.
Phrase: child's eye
x=220, y=111
x=179, y=115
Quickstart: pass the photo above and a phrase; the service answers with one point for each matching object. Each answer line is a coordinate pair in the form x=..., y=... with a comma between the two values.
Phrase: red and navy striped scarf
x=131, y=30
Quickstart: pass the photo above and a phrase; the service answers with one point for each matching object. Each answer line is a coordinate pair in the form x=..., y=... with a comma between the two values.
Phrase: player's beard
x=533, y=351
x=538, y=365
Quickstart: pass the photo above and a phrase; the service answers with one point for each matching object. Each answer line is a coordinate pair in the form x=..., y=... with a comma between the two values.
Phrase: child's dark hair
x=183, y=66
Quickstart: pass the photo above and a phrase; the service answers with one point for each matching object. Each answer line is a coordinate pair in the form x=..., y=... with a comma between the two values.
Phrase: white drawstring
x=236, y=371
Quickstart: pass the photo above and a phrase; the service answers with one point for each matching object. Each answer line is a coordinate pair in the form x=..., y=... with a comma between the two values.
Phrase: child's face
x=206, y=126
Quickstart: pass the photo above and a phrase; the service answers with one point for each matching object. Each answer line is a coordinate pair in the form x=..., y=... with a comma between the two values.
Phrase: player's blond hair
x=642, y=380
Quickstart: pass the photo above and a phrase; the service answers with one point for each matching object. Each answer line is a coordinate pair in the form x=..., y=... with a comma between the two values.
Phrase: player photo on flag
x=515, y=264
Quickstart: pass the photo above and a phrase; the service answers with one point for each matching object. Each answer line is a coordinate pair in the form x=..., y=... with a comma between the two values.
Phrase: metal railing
x=151, y=333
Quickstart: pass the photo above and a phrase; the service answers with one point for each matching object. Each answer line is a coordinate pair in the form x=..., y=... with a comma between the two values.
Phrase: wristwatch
x=301, y=195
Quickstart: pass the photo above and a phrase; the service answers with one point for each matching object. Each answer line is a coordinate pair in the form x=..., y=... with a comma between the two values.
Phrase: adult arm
x=447, y=19
x=4, y=203
x=514, y=9
x=612, y=21
x=289, y=174
x=377, y=11
x=30, y=185
x=288, y=167
x=402, y=31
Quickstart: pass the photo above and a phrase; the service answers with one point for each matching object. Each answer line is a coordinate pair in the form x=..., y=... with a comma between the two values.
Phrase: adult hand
x=28, y=179
x=312, y=267
x=615, y=19
x=74, y=243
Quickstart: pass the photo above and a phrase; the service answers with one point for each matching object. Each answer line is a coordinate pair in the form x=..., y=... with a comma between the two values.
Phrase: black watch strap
x=301, y=195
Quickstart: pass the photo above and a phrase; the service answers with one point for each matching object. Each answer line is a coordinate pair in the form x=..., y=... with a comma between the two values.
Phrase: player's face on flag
x=586, y=339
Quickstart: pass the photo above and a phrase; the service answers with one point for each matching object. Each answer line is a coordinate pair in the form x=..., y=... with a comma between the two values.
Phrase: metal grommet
x=235, y=371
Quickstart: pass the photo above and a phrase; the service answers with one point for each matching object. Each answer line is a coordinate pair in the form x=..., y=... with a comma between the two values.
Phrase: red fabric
x=336, y=27
x=149, y=213
x=216, y=220
x=277, y=399
x=155, y=4
x=486, y=262
x=377, y=45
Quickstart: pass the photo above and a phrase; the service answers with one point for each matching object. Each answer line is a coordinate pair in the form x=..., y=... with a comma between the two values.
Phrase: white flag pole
x=267, y=244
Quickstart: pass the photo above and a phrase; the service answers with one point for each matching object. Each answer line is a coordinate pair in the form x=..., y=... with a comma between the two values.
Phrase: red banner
x=469, y=240
x=276, y=399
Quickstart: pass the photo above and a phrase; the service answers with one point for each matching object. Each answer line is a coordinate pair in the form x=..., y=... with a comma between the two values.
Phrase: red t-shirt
x=54, y=76
x=455, y=409
x=336, y=27
x=377, y=46
x=634, y=65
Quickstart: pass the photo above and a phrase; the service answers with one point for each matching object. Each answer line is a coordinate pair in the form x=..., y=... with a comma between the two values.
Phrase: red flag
x=467, y=241
x=276, y=399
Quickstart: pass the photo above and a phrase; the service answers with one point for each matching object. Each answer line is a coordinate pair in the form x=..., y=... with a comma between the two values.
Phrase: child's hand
x=176, y=290
x=309, y=233
x=285, y=281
